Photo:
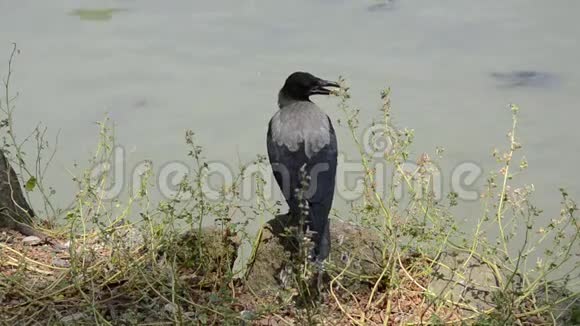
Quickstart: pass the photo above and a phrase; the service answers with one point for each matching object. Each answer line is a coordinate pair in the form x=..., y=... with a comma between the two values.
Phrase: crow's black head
x=300, y=85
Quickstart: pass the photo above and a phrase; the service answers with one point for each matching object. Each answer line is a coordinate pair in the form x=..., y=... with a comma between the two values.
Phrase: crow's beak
x=320, y=89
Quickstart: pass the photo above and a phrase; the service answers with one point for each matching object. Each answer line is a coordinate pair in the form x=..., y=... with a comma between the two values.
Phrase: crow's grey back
x=301, y=122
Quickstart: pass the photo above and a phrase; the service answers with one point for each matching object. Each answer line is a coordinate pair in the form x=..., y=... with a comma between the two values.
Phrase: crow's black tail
x=319, y=224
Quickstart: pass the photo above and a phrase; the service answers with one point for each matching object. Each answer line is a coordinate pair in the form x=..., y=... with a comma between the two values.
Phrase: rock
x=4, y=237
x=31, y=240
x=270, y=258
x=58, y=262
x=218, y=254
x=469, y=283
x=357, y=247
x=352, y=245
x=567, y=312
x=170, y=308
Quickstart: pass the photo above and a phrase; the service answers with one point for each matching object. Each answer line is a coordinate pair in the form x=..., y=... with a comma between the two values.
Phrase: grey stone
x=469, y=282
x=170, y=308
x=31, y=240
x=58, y=262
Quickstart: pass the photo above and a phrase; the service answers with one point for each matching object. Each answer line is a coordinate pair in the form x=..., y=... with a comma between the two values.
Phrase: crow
x=302, y=147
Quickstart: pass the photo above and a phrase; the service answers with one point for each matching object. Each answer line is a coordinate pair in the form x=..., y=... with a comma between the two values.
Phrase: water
x=215, y=67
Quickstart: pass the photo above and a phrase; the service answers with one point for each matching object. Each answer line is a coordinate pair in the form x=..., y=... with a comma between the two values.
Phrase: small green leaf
x=30, y=184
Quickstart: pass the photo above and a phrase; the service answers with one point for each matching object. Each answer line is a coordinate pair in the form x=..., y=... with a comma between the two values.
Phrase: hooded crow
x=302, y=147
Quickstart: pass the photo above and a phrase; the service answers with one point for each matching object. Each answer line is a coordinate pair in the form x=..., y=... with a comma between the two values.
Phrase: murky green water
x=160, y=68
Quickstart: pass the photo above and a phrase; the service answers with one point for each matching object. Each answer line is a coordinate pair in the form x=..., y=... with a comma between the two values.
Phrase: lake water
x=159, y=68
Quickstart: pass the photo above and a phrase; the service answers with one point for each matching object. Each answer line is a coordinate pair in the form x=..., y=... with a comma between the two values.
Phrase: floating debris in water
x=382, y=5
x=96, y=14
x=526, y=78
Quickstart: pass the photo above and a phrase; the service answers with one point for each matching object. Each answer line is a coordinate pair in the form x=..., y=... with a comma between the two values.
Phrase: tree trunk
x=15, y=213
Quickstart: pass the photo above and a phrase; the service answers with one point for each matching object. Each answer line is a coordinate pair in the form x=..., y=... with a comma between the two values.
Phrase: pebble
x=31, y=240
x=58, y=262
x=170, y=308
